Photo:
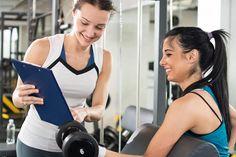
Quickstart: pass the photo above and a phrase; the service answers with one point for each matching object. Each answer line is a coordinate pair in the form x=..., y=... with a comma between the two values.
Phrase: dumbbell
x=111, y=138
x=75, y=141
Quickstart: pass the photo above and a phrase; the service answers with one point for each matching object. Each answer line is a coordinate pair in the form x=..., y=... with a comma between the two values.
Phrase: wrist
x=86, y=110
x=101, y=151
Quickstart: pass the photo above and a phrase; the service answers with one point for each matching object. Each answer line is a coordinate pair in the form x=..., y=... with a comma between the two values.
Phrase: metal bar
x=139, y=53
x=29, y=19
x=14, y=13
x=1, y=57
x=11, y=30
x=34, y=9
x=101, y=135
x=171, y=13
x=160, y=104
x=55, y=6
x=19, y=16
x=18, y=42
x=10, y=19
x=42, y=15
x=120, y=70
x=43, y=27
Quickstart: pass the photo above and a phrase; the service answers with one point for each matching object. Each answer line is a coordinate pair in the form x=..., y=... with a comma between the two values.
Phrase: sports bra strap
x=207, y=104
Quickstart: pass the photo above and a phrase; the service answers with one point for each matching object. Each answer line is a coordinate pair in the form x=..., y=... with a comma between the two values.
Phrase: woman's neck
x=186, y=83
x=74, y=45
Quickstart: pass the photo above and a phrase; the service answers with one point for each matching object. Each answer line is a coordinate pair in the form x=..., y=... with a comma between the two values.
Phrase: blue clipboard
x=55, y=109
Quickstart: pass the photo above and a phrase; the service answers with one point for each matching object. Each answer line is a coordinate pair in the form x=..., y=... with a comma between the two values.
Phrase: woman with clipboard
x=80, y=68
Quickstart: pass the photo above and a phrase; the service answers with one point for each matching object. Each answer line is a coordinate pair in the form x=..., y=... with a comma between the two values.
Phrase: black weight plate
x=80, y=144
x=66, y=129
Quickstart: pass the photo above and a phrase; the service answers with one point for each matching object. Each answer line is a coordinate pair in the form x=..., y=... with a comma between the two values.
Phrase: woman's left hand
x=79, y=114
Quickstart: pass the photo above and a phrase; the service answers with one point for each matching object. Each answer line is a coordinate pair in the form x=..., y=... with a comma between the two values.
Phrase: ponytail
x=219, y=82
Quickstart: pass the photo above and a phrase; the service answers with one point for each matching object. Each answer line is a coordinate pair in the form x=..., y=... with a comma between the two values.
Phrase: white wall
x=220, y=16
x=232, y=54
x=209, y=14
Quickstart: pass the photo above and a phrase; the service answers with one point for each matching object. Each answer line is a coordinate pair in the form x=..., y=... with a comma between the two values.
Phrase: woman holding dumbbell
x=80, y=67
x=200, y=69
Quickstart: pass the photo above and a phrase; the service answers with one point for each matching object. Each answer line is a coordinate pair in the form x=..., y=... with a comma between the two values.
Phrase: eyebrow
x=85, y=19
x=90, y=21
x=167, y=50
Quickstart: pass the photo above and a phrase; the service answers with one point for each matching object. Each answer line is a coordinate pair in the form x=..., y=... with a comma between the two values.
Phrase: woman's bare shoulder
x=38, y=51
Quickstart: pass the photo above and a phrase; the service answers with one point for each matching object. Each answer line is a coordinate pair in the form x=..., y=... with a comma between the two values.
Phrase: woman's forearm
x=232, y=139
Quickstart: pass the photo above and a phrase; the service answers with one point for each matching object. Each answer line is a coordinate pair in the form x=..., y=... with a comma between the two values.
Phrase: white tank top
x=75, y=86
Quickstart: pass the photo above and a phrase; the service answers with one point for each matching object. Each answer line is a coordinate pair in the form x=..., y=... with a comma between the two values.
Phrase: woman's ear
x=73, y=13
x=193, y=56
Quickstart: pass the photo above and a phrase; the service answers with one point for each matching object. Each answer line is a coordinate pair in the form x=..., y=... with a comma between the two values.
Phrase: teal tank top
x=219, y=136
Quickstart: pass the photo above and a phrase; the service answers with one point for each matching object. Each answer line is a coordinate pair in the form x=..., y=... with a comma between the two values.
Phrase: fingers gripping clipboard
x=55, y=109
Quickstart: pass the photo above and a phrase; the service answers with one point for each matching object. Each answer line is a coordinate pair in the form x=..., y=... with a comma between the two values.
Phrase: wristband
x=101, y=151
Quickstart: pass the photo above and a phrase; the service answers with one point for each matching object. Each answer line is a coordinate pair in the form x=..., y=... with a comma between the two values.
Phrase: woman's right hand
x=22, y=96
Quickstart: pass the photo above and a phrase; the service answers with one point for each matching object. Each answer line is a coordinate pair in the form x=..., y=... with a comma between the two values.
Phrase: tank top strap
x=63, y=55
x=56, y=44
x=91, y=58
x=98, y=56
x=207, y=104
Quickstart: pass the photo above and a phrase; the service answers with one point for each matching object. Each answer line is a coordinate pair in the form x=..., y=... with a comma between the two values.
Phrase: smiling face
x=89, y=23
x=177, y=64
